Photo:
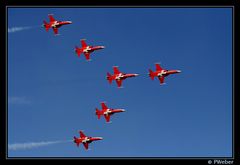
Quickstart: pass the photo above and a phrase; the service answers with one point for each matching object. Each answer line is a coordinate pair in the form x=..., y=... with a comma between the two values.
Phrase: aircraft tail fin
x=46, y=25
x=78, y=51
x=151, y=74
x=75, y=140
x=98, y=113
x=109, y=78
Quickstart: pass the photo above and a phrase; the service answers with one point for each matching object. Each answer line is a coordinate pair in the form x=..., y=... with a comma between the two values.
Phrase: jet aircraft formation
x=117, y=75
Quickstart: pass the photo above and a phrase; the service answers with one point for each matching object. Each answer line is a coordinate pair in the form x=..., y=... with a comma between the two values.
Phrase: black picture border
x=126, y=4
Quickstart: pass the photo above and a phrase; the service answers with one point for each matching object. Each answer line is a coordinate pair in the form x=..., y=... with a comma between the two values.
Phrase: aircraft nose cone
x=178, y=71
x=136, y=74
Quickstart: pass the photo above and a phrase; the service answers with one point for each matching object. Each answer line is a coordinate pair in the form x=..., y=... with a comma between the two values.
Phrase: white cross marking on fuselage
x=87, y=49
x=163, y=72
x=85, y=140
x=107, y=112
x=119, y=76
x=55, y=24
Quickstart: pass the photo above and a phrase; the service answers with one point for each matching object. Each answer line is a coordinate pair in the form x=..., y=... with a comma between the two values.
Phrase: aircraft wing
x=161, y=79
x=51, y=18
x=104, y=106
x=84, y=44
x=85, y=145
x=158, y=67
x=115, y=70
x=55, y=30
x=87, y=55
x=119, y=83
x=82, y=134
x=107, y=117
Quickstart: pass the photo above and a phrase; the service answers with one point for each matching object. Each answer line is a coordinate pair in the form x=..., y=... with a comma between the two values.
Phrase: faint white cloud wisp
x=18, y=100
x=16, y=29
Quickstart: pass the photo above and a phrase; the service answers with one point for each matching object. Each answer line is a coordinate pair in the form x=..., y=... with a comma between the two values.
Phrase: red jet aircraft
x=161, y=73
x=54, y=24
x=107, y=112
x=86, y=50
x=85, y=139
x=118, y=76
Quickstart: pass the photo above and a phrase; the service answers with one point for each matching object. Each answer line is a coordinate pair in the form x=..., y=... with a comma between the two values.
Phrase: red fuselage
x=165, y=72
x=86, y=139
x=90, y=49
x=109, y=111
x=112, y=111
x=57, y=24
x=121, y=76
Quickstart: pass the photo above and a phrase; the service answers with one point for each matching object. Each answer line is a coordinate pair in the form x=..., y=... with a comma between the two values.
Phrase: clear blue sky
x=52, y=93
